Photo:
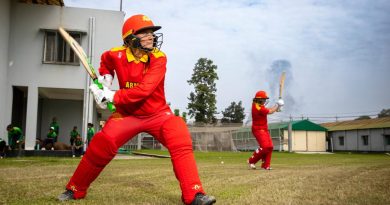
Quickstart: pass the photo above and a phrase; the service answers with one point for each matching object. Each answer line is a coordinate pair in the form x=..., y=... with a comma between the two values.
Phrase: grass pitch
x=340, y=178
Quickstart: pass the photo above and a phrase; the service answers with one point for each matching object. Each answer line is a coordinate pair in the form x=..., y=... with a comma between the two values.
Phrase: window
x=57, y=51
x=387, y=139
x=365, y=139
x=341, y=140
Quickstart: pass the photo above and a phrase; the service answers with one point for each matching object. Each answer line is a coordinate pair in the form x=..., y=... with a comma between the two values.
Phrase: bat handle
x=111, y=106
x=96, y=81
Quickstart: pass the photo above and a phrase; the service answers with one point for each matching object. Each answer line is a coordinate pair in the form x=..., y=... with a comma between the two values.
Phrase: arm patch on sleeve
x=158, y=54
x=119, y=48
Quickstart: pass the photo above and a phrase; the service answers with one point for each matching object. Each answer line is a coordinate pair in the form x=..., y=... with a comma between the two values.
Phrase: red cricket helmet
x=136, y=23
x=261, y=95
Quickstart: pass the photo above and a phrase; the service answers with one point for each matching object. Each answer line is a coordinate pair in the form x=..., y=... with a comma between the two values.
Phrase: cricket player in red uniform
x=140, y=67
x=260, y=130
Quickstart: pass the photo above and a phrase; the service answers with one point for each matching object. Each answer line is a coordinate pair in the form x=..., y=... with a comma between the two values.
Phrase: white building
x=370, y=135
x=40, y=77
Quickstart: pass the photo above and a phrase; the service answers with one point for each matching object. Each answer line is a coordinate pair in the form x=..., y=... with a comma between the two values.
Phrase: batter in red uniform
x=140, y=103
x=260, y=130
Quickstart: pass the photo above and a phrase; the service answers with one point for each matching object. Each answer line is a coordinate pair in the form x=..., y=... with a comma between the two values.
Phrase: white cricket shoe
x=251, y=166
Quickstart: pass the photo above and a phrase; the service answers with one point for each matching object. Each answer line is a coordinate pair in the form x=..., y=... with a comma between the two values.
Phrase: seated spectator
x=73, y=135
x=90, y=133
x=56, y=127
x=15, y=137
x=78, y=147
x=50, y=138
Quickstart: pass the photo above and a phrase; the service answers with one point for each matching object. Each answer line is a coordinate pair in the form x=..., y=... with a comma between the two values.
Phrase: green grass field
x=340, y=178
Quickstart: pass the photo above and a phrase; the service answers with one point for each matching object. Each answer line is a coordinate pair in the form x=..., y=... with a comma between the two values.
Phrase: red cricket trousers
x=169, y=130
x=264, y=152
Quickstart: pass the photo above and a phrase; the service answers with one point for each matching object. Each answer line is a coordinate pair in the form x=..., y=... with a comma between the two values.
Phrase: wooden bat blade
x=79, y=51
x=281, y=84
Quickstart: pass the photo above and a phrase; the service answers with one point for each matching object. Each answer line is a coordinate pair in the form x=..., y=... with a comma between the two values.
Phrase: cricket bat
x=79, y=51
x=281, y=86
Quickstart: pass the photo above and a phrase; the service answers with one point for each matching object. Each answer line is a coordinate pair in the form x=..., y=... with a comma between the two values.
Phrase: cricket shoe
x=201, y=199
x=267, y=168
x=66, y=196
x=251, y=166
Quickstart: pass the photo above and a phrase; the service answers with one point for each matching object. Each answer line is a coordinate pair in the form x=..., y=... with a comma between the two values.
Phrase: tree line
x=382, y=113
x=202, y=106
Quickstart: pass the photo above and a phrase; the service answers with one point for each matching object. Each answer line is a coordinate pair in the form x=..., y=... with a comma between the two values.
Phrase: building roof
x=44, y=2
x=306, y=125
x=383, y=122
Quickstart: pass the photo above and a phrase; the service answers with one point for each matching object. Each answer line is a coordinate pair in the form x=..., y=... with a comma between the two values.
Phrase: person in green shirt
x=56, y=127
x=51, y=135
x=78, y=147
x=73, y=134
x=90, y=133
x=15, y=136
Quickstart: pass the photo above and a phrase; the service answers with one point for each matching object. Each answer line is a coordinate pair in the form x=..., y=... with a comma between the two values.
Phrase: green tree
x=184, y=116
x=176, y=112
x=203, y=101
x=363, y=117
x=384, y=113
x=234, y=113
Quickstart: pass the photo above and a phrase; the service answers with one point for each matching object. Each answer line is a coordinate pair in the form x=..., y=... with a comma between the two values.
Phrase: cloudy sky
x=336, y=53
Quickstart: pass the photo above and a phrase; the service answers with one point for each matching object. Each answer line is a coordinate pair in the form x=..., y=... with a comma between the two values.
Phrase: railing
x=236, y=140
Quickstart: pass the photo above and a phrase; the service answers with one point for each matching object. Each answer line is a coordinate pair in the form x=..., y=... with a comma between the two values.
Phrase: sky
x=336, y=54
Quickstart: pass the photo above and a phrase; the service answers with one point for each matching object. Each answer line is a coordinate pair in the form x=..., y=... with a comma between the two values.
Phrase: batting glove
x=102, y=96
x=280, y=102
x=106, y=80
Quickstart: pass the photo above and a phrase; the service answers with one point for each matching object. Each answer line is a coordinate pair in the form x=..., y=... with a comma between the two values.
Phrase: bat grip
x=110, y=105
x=96, y=81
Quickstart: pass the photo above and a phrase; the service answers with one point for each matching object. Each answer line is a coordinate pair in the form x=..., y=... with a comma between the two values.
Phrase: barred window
x=365, y=139
x=341, y=140
x=387, y=139
x=57, y=51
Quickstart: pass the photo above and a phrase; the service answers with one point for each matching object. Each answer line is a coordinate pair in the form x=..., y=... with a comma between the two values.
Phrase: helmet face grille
x=261, y=101
x=158, y=40
x=135, y=42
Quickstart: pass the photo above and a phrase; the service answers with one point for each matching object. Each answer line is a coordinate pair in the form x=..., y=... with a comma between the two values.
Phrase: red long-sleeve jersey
x=141, y=82
x=259, y=116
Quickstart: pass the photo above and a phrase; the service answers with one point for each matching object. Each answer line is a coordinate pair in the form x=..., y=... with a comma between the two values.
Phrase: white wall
x=316, y=141
x=353, y=140
x=26, y=49
x=66, y=118
x=4, y=88
x=299, y=140
x=305, y=141
x=27, y=43
x=376, y=140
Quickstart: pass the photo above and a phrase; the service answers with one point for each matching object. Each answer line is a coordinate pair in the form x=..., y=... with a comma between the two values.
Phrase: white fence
x=209, y=140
